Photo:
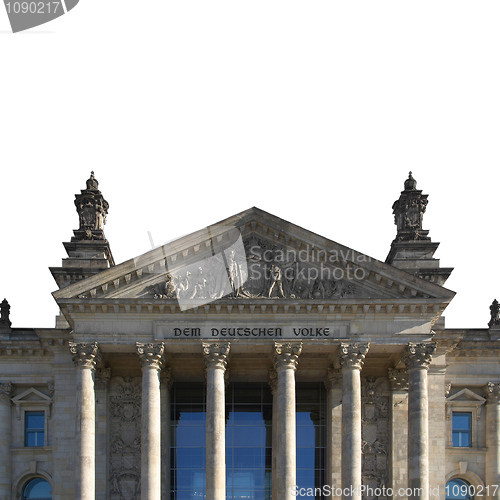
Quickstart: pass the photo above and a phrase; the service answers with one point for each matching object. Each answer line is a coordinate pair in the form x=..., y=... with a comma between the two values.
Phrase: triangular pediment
x=465, y=396
x=253, y=256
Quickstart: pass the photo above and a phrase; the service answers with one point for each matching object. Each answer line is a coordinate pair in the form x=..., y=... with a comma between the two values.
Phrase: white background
x=192, y=111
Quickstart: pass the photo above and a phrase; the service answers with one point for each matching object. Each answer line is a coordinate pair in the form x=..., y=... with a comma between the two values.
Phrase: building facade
x=250, y=360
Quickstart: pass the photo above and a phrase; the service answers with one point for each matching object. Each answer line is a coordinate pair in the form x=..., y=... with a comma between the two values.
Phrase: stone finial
x=216, y=354
x=494, y=313
x=398, y=379
x=353, y=355
x=5, y=322
x=85, y=355
x=333, y=379
x=492, y=391
x=6, y=391
x=92, y=209
x=151, y=355
x=419, y=354
x=272, y=380
x=286, y=355
x=409, y=212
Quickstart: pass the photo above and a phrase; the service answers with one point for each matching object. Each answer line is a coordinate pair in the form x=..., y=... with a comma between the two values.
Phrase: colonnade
x=286, y=356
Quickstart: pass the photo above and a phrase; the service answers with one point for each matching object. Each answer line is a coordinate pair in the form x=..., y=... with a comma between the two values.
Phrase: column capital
x=6, y=391
x=333, y=379
x=492, y=391
x=272, y=380
x=216, y=354
x=419, y=354
x=286, y=354
x=352, y=355
x=85, y=354
x=151, y=355
x=398, y=379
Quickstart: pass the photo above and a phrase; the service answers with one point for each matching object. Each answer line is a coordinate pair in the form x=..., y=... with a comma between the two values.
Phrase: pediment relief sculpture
x=254, y=270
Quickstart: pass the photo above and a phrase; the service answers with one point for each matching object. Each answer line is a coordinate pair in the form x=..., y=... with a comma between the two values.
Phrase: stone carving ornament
x=419, y=354
x=85, y=354
x=353, y=355
x=260, y=273
x=216, y=354
x=151, y=355
x=492, y=391
x=6, y=391
x=286, y=355
x=494, y=313
x=125, y=438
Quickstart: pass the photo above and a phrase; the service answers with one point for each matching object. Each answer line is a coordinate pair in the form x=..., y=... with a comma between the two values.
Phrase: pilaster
x=6, y=389
x=492, y=390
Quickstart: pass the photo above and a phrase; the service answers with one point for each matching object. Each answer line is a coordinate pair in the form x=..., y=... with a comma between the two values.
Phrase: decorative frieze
x=353, y=355
x=151, y=355
x=85, y=354
x=286, y=354
x=398, y=379
x=216, y=354
x=492, y=391
x=419, y=354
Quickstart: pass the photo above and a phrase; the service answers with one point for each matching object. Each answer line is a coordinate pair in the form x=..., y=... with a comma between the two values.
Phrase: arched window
x=37, y=489
x=458, y=489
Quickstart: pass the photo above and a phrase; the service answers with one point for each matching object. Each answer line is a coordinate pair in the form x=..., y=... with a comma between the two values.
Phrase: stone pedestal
x=216, y=357
x=352, y=357
x=85, y=357
x=417, y=359
x=151, y=357
x=5, y=440
x=286, y=358
x=333, y=384
x=493, y=438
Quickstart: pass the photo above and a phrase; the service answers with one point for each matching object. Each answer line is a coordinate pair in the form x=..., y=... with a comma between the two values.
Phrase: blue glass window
x=34, y=428
x=37, y=489
x=188, y=442
x=462, y=429
x=458, y=489
x=311, y=432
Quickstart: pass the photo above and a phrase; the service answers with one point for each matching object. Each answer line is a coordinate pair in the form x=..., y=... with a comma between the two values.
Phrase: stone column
x=272, y=379
x=5, y=440
x=286, y=358
x=85, y=357
x=417, y=359
x=333, y=384
x=493, y=439
x=352, y=358
x=151, y=356
x=398, y=466
x=216, y=356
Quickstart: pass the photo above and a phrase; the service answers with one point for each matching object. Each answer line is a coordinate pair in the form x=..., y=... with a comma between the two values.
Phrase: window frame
x=26, y=430
x=464, y=401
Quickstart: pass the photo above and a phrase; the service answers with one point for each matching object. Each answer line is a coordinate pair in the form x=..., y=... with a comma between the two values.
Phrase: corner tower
x=412, y=250
x=88, y=251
